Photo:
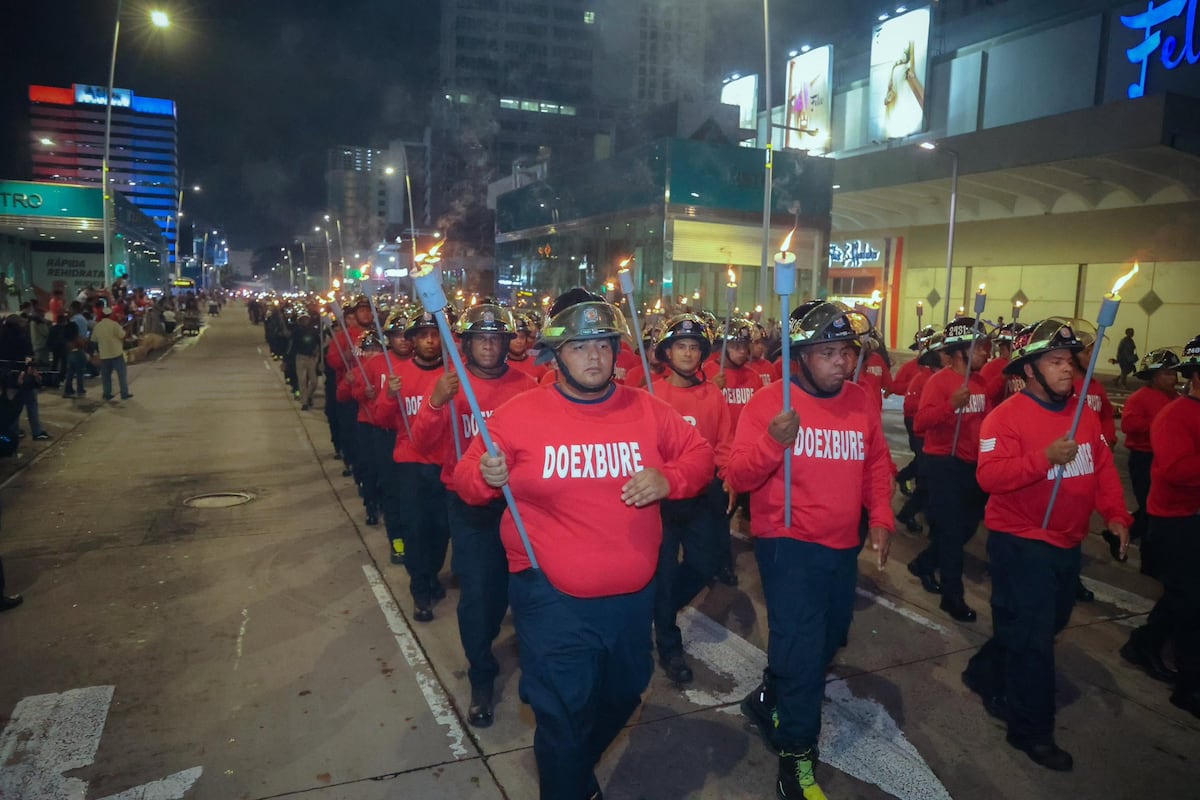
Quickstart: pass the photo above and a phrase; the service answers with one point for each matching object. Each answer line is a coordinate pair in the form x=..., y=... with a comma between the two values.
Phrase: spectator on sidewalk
x=1127, y=359
x=77, y=358
x=305, y=347
x=16, y=359
x=109, y=337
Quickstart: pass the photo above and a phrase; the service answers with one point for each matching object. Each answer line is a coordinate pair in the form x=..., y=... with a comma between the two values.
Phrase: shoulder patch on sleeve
x=987, y=445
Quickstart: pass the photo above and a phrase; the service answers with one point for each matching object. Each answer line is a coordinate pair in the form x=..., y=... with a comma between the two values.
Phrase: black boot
x=759, y=708
x=1083, y=594
x=1142, y=652
x=1045, y=754
x=798, y=776
x=957, y=608
x=676, y=668
x=481, y=713
x=928, y=581
x=996, y=705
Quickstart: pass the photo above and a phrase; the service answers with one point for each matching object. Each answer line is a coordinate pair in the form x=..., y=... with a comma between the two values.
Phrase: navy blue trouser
x=426, y=530
x=1033, y=592
x=335, y=435
x=347, y=421
x=954, y=509
x=1139, y=478
x=696, y=524
x=809, y=589
x=584, y=665
x=366, y=465
x=479, y=562
x=1176, y=615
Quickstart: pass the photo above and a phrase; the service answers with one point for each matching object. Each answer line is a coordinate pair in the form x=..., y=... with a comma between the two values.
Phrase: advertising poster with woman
x=899, y=57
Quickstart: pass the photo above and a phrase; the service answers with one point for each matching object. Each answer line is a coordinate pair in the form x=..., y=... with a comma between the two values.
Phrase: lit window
x=589, y=17
x=464, y=98
x=529, y=105
x=567, y=110
x=548, y=108
x=508, y=102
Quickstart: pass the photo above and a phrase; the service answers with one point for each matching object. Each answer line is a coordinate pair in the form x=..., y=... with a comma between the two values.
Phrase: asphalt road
x=264, y=650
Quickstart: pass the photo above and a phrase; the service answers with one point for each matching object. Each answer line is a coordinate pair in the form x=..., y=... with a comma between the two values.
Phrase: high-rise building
x=653, y=51
x=516, y=85
x=357, y=193
x=67, y=144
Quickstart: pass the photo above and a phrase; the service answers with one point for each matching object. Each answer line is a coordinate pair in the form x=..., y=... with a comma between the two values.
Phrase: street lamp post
x=769, y=167
x=953, y=215
x=179, y=228
x=160, y=20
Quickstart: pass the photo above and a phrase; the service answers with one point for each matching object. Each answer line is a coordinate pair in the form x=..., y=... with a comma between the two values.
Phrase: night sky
x=265, y=87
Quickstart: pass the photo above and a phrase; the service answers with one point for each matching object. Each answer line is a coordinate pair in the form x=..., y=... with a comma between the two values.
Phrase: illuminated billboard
x=743, y=93
x=899, y=58
x=808, y=101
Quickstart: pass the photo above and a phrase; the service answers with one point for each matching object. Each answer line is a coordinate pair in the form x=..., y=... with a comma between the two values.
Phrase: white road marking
x=50, y=735
x=241, y=637
x=435, y=695
x=907, y=613
x=172, y=787
x=1122, y=599
x=267, y=364
x=858, y=735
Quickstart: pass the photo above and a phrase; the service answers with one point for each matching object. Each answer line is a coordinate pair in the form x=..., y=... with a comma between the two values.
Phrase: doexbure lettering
x=830, y=445
x=1082, y=464
x=738, y=397
x=599, y=460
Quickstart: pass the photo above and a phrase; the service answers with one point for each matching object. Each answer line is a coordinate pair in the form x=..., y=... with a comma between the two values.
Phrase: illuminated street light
x=160, y=19
x=47, y=141
x=389, y=170
x=932, y=146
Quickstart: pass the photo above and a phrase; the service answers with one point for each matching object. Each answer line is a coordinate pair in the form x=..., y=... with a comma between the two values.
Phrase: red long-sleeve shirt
x=1175, y=475
x=377, y=376
x=1142, y=407
x=937, y=419
x=529, y=366
x=740, y=385
x=1014, y=471
x=1097, y=400
x=905, y=374
x=913, y=388
x=342, y=345
x=840, y=463
x=567, y=463
x=876, y=378
x=704, y=407
x=995, y=379
x=627, y=359
x=431, y=427
x=416, y=384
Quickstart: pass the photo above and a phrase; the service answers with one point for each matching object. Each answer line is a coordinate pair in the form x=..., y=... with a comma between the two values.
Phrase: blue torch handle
x=637, y=331
x=388, y=361
x=787, y=406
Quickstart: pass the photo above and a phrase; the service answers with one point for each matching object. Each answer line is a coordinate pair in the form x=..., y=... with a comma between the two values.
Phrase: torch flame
x=433, y=251
x=625, y=263
x=1019, y=304
x=783, y=248
x=732, y=278
x=982, y=287
x=876, y=297
x=1124, y=279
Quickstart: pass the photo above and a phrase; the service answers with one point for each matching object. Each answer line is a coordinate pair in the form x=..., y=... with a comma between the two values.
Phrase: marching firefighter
x=1035, y=566
x=478, y=555
x=1160, y=369
x=953, y=404
x=1000, y=385
x=840, y=465
x=694, y=524
x=365, y=388
x=425, y=532
x=587, y=462
x=1174, y=508
x=519, y=356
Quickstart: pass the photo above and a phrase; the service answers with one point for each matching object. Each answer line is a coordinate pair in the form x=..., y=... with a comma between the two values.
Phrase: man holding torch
x=1035, y=564
x=478, y=557
x=587, y=462
x=953, y=404
x=834, y=435
x=426, y=534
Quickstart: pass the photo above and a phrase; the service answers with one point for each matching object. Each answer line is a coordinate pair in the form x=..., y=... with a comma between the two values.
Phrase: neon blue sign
x=1172, y=54
x=853, y=254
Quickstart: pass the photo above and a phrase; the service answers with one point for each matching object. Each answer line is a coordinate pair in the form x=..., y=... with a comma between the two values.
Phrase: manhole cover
x=218, y=500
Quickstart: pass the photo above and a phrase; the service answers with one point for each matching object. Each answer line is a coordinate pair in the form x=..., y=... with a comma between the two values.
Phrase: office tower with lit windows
x=356, y=194
x=67, y=145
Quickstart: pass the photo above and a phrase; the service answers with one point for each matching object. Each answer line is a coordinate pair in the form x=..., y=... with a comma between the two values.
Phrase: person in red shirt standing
x=930, y=360
x=993, y=371
x=367, y=431
x=738, y=382
x=900, y=385
x=876, y=374
x=840, y=465
x=695, y=524
x=1160, y=369
x=587, y=462
x=1174, y=506
x=953, y=404
x=340, y=357
x=478, y=556
x=1035, y=568
x=422, y=495
x=385, y=420
x=519, y=343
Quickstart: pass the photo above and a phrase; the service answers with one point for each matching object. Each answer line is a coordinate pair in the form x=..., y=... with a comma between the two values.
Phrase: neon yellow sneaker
x=797, y=776
x=397, y=551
